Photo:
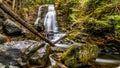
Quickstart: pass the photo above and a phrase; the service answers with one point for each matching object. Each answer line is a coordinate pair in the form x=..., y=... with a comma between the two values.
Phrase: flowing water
x=50, y=22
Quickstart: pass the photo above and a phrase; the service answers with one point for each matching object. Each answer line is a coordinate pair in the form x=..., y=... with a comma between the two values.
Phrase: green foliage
x=72, y=17
x=98, y=27
x=75, y=1
x=73, y=9
x=114, y=18
x=72, y=36
x=102, y=11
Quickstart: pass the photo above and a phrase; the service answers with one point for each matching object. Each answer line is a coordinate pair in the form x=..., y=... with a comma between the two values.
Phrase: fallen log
x=24, y=23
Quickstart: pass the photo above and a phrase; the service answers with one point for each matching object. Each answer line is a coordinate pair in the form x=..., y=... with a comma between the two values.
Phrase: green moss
x=103, y=22
x=117, y=26
x=72, y=36
x=114, y=18
x=79, y=55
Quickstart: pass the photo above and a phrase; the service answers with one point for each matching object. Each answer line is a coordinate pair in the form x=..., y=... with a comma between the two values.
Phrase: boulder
x=11, y=53
x=11, y=28
x=79, y=55
x=2, y=38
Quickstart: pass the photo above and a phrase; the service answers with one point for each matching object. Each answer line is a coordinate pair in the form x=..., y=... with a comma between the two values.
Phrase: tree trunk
x=22, y=22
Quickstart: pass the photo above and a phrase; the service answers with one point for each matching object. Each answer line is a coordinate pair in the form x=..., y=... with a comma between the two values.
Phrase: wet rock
x=2, y=38
x=80, y=55
x=11, y=28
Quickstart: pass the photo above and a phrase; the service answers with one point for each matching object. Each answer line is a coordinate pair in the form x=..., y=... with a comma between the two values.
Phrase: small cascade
x=39, y=14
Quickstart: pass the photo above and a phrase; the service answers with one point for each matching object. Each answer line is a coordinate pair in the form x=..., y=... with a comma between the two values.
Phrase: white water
x=107, y=61
x=50, y=22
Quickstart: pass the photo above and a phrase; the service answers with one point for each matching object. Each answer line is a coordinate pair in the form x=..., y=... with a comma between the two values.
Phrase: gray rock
x=11, y=52
x=2, y=38
x=11, y=28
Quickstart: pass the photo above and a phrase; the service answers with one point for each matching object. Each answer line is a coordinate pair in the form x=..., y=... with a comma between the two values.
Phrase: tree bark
x=22, y=22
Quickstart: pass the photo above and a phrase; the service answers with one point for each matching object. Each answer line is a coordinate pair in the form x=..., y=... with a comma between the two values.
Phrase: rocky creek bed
x=77, y=55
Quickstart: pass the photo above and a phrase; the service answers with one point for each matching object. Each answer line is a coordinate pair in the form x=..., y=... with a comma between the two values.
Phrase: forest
x=59, y=33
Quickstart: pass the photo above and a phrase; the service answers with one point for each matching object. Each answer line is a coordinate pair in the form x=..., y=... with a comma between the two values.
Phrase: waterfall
x=50, y=22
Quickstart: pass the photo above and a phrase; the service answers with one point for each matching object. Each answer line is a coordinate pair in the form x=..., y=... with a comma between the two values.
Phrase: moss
x=114, y=18
x=72, y=36
x=117, y=26
x=79, y=55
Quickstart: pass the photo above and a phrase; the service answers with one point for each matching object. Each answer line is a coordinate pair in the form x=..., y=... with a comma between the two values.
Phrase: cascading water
x=39, y=14
x=50, y=22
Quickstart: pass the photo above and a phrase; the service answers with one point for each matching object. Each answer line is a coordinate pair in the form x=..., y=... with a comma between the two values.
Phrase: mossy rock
x=11, y=28
x=79, y=55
